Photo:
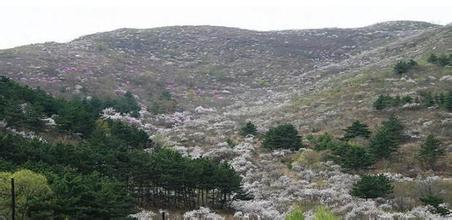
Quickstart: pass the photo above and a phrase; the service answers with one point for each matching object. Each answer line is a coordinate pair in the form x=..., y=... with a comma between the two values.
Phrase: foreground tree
x=353, y=157
x=386, y=139
x=284, y=136
x=431, y=150
x=32, y=194
x=372, y=187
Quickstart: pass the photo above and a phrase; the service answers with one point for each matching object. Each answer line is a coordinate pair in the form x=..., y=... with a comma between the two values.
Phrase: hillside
x=197, y=85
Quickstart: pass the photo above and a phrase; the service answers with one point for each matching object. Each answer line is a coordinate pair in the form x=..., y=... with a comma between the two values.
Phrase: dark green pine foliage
x=352, y=157
x=431, y=150
x=386, y=139
x=248, y=128
x=435, y=203
x=282, y=137
x=433, y=58
x=370, y=186
x=105, y=174
x=404, y=66
x=357, y=129
x=441, y=60
x=448, y=102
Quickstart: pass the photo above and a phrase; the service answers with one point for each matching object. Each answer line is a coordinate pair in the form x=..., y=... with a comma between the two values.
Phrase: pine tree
x=380, y=104
x=432, y=58
x=372, y=187
x=387, y=138
x=431, y=150
x=284, y=136
x=357, y=129
x=248, y=128
x=448, y=101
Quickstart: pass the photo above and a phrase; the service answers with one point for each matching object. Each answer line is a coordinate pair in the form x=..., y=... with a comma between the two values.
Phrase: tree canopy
x=282, y=137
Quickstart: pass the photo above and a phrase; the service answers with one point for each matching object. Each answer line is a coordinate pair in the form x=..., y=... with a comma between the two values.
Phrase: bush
x=442, y=59
x=284, y=136
x=372, y=187
x=323, y=213
x=295, y=214
x=404, y=66
x=436, y=204
x=248, y=129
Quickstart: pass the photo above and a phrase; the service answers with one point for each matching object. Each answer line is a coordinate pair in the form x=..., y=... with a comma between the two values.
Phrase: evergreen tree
x=431, y=150
x=427, y=99
x=357, y=129
x=432, y=58
x=372, y=186
x=386, y=139
x=352, y=157
x=448, y=101
x=248, y=128
x=404, y=66
x=283, y=136
x=380, y=103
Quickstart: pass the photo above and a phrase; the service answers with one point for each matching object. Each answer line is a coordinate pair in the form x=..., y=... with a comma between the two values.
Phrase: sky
x=36, y=21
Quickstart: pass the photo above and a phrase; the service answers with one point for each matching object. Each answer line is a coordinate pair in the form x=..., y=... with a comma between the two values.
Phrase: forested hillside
x=324, y=123
x=101, y=171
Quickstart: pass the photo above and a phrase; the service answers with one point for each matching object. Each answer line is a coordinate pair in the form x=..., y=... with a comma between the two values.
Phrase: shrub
x=248, y=128
x=324, y=142
x=372, y=187
x=323, y=213
x=295, y=214
x=404, y=66
x=436, y=204
x=284, y=136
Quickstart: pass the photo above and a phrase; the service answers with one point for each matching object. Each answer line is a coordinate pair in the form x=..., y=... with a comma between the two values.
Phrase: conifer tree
x=357, y=129
x=386, y=139
x=372, y=186
x=431, y=150
x=283, y=136
x=248, y=128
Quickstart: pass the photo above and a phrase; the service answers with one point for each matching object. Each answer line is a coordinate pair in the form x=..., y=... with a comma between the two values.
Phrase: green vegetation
x=353, y=157
x=33, y=194
x=323, y=213
x=324, y=142
x=442, y=100
x=248, y=128
x=295, y=214
x=436, y=204
x=386, y=139
x=404, y=66
x=372, y=187
x=431, y=150
x=386, y=101
x=441, y=60
x=164, y=103
x=106, y=173
x=25, y=107
x=282, y=137
x=357, y=129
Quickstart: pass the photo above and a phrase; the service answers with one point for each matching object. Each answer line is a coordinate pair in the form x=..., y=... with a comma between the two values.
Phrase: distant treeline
x=442, y=100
